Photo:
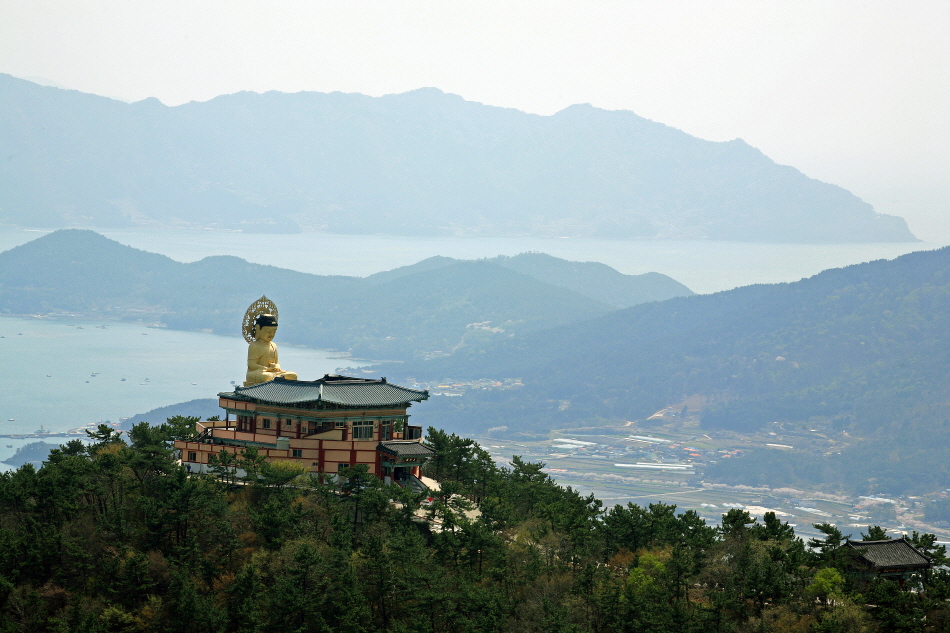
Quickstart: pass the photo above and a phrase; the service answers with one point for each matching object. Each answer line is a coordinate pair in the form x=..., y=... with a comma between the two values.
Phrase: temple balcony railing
x=232, y=437
x=206, y=425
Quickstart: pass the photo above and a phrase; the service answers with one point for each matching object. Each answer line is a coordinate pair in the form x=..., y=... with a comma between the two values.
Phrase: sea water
x=703, y=266
x=64, y=373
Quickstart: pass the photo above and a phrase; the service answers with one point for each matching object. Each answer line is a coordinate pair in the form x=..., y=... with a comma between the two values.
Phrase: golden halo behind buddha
x=256, y=309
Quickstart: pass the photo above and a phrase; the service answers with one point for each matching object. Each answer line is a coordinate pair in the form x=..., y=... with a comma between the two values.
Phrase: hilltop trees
x=117, y=536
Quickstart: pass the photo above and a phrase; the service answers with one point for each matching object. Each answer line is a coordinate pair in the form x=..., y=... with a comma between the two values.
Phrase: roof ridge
x=348, y=392
x=887, y=540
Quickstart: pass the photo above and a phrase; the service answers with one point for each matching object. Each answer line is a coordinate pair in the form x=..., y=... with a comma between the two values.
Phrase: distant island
x=32, y=453
x=421, y=311
x=419, y=163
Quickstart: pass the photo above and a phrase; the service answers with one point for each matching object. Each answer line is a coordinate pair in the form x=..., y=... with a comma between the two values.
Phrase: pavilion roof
x=890, y=553
x=405, y=448
x=338, y=390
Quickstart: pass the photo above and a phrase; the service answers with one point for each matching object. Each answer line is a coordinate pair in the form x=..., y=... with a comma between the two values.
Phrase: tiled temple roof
x=891, y=553
x=338, y=390
x=405, y=448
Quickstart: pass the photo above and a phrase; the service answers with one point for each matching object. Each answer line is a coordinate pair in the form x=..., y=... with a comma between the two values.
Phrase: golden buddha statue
x=260, y=327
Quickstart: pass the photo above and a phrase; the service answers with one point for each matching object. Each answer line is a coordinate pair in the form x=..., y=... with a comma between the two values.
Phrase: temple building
x=326, y=425
x=894, y=559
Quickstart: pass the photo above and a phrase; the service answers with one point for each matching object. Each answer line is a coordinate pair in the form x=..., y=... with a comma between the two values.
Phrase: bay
x=64, y=374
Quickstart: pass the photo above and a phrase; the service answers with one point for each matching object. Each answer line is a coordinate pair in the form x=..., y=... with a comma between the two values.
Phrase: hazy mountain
x=432, y=310
x=422, y=162
x=861, y=351
x=591, y=279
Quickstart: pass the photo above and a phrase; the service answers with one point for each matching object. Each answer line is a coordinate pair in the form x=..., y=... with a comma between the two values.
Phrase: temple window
x=363, y=430
x=296, y=452
x=192, y=456
x=266, y=423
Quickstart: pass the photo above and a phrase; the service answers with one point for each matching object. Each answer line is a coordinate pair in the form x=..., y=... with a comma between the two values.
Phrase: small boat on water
x=49, y=375
x=11, y=419
x=9, y=445
x=123, y=380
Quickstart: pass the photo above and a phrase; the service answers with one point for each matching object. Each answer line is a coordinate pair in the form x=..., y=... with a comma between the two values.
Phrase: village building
x=894, y=559
x=326, y=425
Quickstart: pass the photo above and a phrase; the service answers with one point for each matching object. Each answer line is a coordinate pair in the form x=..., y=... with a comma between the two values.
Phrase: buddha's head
x=265, y=327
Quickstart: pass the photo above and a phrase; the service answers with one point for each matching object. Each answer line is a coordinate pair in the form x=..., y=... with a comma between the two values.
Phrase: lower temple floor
x=396, y=460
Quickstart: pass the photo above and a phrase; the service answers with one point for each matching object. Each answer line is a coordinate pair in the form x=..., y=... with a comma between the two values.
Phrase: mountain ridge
x=613, y=288
x=422, y=162
x=415, y=314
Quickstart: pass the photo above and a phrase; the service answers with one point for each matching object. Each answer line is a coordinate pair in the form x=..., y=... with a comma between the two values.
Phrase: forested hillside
x=417, y=312
x=862, y=350
x=419, y=163
x=115, y=536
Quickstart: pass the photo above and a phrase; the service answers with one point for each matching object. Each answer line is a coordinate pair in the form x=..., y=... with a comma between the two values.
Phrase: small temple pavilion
x=327, y=425
x=894, y=559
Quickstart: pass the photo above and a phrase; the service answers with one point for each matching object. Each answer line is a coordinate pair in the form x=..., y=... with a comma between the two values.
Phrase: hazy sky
x=854, y=93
